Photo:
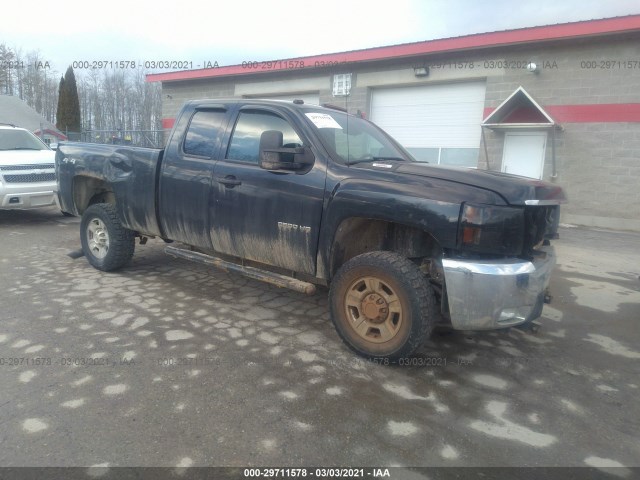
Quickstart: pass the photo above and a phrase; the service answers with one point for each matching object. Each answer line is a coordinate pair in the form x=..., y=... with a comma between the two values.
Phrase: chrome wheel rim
x=98, y=238
x=373, y=309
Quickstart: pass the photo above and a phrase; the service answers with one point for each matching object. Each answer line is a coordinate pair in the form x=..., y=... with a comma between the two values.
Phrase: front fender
x=404, y=204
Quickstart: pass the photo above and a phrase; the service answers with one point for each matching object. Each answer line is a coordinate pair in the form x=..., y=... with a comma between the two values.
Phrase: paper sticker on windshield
x=323, y=120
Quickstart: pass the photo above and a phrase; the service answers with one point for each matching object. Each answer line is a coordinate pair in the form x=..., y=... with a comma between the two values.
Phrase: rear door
x=269, y=217
x=185, y=196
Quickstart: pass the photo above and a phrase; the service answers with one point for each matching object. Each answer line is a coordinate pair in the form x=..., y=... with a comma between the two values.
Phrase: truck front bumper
x=490, y=294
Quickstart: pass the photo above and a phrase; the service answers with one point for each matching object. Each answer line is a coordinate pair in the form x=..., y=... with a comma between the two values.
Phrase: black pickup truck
x=301, y=195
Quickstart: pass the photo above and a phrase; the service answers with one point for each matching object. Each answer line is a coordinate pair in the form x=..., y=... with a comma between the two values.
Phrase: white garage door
x=436, y=123
x=309, y=98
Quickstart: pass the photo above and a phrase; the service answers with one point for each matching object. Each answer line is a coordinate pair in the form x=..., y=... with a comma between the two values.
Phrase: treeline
x=109, y=99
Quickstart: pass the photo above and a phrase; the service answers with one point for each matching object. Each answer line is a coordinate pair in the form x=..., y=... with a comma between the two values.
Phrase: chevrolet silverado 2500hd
x=300, y=195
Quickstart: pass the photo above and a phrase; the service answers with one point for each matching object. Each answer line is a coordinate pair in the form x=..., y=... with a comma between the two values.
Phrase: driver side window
x=245, y=141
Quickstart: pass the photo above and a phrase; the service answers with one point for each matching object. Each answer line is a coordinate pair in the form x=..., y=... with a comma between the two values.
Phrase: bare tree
x=7, y=65
x=110, y=100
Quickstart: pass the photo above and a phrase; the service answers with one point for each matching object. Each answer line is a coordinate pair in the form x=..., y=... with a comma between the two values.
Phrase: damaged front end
x=489, y=291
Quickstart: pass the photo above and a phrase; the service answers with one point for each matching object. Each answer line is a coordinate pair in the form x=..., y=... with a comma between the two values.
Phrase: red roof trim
x=562, y=31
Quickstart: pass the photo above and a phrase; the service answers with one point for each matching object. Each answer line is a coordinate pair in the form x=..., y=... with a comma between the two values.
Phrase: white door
x=436, y=123
x=524, y=153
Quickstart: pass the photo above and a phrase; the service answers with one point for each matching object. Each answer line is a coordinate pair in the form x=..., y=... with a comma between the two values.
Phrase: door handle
x=229, y=181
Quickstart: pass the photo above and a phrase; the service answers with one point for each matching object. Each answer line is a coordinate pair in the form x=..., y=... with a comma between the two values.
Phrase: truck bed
x=130, y=171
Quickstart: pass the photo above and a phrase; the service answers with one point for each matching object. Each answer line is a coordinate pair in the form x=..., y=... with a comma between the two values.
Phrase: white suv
x=27, y=173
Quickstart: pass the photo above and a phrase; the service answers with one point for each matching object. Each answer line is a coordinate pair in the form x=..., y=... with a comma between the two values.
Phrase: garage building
x=558, y=102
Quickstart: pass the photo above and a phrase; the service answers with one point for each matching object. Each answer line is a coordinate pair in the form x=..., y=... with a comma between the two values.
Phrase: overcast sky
x=231, y=32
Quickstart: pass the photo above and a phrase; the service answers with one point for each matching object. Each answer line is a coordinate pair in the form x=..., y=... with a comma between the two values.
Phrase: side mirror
x=270, y=143
x=274, y=156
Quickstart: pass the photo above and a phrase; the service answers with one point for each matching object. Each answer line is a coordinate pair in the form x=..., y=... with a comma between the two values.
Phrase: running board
x=257, y=274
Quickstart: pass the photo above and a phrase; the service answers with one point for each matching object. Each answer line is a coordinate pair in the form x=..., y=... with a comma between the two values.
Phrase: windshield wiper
x=377, y=159
x=400, y=159
x=24, y=148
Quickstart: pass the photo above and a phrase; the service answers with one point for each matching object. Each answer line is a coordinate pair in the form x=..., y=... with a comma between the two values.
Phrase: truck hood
x=27, y=157
x=514, y=189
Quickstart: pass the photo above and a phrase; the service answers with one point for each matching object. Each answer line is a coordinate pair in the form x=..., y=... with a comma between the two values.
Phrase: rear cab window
x=203, y=134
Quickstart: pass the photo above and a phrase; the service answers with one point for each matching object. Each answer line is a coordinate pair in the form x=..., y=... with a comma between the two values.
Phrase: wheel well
x=358, y=235
x=88, y=190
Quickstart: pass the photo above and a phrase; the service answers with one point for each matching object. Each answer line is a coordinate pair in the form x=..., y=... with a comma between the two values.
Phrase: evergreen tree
x=74, y=101
x=60, y=112
x=68, y=116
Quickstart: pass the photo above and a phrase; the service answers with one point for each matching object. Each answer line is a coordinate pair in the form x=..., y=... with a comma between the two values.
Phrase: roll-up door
x=436, y=123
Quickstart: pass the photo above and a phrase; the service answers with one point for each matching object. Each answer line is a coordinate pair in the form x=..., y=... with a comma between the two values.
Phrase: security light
x=421, y=71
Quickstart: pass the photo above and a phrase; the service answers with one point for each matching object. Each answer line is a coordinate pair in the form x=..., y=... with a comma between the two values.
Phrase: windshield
x=354, y=140
x=11, y=139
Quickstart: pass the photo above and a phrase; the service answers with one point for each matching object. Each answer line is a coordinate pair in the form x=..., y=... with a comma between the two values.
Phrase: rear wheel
x=106, y=244
x=381, y=305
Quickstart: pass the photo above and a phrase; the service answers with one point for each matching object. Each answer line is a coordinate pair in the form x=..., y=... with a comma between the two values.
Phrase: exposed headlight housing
x=491, y=229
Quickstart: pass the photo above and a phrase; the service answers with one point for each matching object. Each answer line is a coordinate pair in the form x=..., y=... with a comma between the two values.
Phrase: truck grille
x=30, y=178
x=13, y=168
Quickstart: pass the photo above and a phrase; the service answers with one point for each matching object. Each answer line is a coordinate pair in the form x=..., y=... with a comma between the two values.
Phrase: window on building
x=341, y=84
x=203, y=132
x=245, y=141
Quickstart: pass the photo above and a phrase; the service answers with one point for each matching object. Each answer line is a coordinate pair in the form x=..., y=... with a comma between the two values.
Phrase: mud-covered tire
x=106, y=244
x=382, y=305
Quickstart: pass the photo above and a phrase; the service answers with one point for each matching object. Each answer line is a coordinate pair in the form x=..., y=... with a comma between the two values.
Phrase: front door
x=269, y=217
x=524, y=153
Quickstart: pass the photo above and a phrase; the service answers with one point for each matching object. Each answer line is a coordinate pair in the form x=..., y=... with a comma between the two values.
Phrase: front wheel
x=106, y=244
x=381, y=305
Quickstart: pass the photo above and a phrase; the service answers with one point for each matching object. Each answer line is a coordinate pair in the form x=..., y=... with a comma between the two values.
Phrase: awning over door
x=519, y=111
x=525, y=124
